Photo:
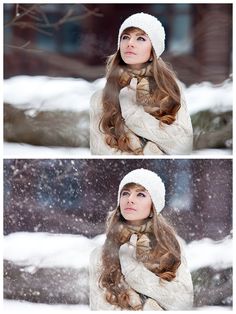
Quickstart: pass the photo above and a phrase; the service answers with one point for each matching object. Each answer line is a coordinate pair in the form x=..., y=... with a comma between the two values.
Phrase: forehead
x=136, y=30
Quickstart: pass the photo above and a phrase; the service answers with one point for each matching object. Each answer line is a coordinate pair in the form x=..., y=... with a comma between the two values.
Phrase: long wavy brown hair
x=163, y=260
x=166, y=92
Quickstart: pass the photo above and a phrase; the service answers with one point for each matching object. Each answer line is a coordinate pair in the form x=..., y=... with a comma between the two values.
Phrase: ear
x=151, y=56
x=151, y=214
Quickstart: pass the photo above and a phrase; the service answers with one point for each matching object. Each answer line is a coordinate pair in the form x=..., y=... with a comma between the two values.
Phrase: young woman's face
x=135, y=204
x=135, y=48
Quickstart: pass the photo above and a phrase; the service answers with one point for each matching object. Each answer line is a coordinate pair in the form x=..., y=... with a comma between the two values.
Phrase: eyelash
x=125, y=193
x=124, y=37
x=143, y=39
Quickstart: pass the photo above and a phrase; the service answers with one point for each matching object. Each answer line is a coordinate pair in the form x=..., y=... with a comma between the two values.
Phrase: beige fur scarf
x=145, y=86
x=143, y=232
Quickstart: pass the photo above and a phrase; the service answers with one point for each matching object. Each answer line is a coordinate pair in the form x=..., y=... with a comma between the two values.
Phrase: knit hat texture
x=150, y=181
x=151, y=26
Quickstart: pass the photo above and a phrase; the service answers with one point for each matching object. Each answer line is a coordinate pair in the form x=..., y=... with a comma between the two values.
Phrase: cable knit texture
x=160, y=295
x=173, y=139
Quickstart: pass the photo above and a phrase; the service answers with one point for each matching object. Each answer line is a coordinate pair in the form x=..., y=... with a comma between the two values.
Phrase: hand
x=129, y=249
x=129, y=92
x=127, y=255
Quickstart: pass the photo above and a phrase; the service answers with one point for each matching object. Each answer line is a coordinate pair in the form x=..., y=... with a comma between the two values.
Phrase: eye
x=141, y=194
x=124, y=37
x=124, y=193
x=141, y=38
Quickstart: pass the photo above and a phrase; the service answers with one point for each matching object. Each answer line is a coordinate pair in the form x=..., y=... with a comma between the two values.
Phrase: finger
x=133, y=239
x=133, y=83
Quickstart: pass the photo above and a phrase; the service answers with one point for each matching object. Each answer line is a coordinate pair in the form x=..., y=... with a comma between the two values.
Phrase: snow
x=205, y=95
x=61, y=250
x=37, y=93
x=22, y=150
x=212, y=152
x=44, y=93
x=48, y=93
x=212, y=253
x=10, y=306
x=56, y=250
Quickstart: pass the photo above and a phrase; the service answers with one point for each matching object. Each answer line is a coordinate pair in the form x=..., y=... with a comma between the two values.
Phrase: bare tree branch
x=24, y=47
x=40, y=21
x=19, y=16
x=34, y=10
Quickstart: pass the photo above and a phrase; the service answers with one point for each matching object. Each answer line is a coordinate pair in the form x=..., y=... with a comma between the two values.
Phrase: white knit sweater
x=176, y=138
x=161, y=295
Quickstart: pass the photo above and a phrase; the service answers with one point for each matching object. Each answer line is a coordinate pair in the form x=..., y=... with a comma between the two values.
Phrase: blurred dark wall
x=198, y=45
x=74, y=196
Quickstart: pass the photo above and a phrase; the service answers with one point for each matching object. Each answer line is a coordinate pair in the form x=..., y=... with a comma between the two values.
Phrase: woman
x=141, y=265
x=141, y=110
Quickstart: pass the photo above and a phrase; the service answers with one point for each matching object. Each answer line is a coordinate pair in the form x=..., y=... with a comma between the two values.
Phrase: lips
x=129, y=209
x=130, y=53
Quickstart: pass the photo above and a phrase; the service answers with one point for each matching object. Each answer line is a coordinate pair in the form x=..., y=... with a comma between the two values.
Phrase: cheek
x=148, y=207
x=147, y=48
x=122, y=45
x=122, y=202
x=148, y=51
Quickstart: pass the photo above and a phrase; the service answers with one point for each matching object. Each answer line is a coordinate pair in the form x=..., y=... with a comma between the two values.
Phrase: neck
x=137, y=66
x=137, y=222
x=143, y=227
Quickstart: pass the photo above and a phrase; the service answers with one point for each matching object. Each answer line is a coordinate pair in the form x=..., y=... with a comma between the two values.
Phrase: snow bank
x=206, y=252
x=65, y=250
x=48, y=93
x=44, y=93
x=207, y=96
x=42, y=249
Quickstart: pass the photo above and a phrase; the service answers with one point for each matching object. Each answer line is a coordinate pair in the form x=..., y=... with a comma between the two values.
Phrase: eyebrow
x=136, y=190
x=136, y=34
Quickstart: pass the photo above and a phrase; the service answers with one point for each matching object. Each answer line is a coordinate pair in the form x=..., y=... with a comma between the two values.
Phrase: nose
x=131, y=198
x=131, y=42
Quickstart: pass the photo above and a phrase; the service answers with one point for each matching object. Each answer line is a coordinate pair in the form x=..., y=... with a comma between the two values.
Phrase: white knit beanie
x=150, y=181
x=150, y=25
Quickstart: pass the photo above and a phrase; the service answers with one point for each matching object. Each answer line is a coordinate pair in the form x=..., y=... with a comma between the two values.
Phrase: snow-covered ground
x=22, y=150
x=22, y=307
x=41, y=93
x=37, y=250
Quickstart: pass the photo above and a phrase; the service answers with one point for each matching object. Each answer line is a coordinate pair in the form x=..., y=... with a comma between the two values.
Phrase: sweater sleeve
x=97, y=299
x=98, y=145
x=174, y=295
x=176, y=138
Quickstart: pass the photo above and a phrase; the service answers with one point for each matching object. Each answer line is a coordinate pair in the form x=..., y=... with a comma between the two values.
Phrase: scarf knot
x=145, y=85
x=143, y=233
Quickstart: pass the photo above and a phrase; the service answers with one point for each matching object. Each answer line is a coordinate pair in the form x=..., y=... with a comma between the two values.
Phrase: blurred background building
x=74, y=40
